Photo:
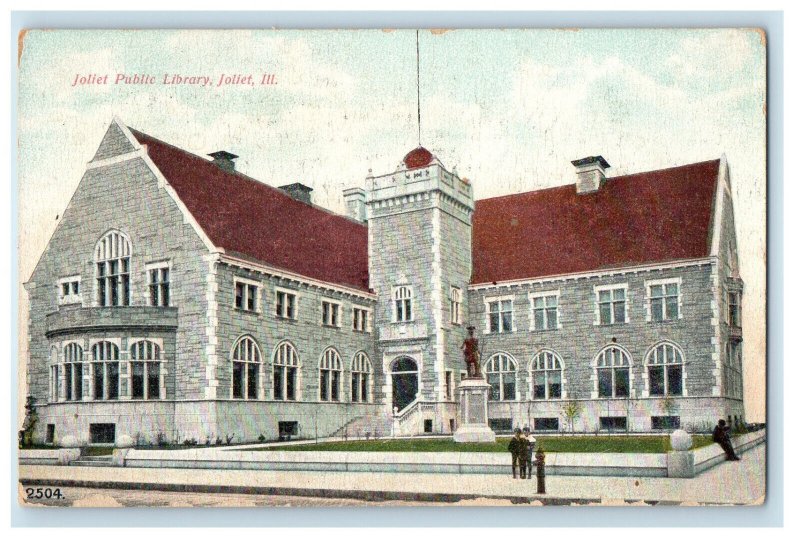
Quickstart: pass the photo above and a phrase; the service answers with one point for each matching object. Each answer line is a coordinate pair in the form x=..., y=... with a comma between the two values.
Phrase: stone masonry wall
x=124, y=196
x=306, y=333
x=579, y=339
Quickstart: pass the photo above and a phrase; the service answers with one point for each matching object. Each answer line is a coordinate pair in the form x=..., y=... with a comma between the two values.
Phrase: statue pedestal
x=473, y=409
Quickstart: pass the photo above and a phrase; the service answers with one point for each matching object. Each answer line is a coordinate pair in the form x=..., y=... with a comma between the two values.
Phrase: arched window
x=455, y=305
x=501, y=374
x=73, y=372
x=284, y=372
x=403, y=296
x=112, y=257
x=330, y=374
x=546, y=369
x=105, y=370
x=665, y=370
x=613, y=367
x=360, y=377
x=146, y=371
x=246, y=361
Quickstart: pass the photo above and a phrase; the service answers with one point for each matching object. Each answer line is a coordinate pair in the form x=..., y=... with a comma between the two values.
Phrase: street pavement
x=740, y=482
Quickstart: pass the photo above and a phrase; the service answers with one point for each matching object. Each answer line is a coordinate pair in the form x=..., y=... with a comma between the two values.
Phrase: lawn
x=652, y=444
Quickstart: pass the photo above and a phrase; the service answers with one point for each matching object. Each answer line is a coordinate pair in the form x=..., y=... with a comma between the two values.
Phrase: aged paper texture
x=369, y=267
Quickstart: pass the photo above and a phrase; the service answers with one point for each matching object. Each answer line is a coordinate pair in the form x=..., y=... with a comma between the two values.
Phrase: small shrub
x=261, y=438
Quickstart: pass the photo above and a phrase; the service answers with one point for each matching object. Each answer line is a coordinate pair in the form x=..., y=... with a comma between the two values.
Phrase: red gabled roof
x=637, y=219
x=252, y=220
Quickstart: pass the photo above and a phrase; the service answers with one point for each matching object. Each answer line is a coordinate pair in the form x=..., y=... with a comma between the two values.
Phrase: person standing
x=530, y=448
x=721, y=437
x=518, y=451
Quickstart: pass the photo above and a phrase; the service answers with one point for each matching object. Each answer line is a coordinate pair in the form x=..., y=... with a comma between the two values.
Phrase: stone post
x=680, y=460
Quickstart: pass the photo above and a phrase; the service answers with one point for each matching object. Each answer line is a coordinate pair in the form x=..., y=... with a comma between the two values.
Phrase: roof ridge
x=241, y=175
x=626, y=176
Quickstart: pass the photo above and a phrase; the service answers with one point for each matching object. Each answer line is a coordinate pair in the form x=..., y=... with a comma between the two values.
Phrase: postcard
x=392, y=267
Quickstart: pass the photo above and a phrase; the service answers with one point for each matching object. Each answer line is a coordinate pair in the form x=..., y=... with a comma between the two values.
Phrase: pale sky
x=509, y=109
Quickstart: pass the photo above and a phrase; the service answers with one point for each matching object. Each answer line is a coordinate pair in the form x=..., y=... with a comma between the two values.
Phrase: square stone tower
x=420, y=260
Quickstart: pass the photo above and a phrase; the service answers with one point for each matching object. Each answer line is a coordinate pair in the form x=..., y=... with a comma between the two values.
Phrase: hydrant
x=540, y=471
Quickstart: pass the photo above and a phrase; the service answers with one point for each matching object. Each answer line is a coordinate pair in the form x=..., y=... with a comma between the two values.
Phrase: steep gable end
x=114, y=143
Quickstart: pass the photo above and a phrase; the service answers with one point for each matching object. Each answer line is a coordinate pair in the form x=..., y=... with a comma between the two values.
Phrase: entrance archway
x=405, y=382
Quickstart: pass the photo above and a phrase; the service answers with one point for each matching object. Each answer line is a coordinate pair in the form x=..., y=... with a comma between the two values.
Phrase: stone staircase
x=371, y=426
x=93, y=461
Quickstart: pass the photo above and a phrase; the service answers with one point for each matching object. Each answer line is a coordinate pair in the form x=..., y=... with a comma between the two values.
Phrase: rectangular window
x=330, y=314
x=102, y=433
x=546, y=424
x=335, y=385
x=448, y=385
x=656, y=378
x=68, y=380
x=734, y=312
x=605, y=382
x=360, y=319
x=113, y=282
x=153, y=381
x=501, y=315
x=246, y=295
x=621, y=377
x=494, y=382
x=158, y=282
x=285, y=304
x=665, y=422
x=137, y=380
x=501, y=425
x=403, y=296
x=291, y=383
x=611, y=304
x=614, y=423
x=664, y=297
x=277, y=382
x=427, y=426
x=112, y=370
x=539, y=385
x=50, y=437
x=287, y=429
x=675, y=380
x=554, y=383
x=324, y=380
x=252, y=380
x=69, y=290
x=545, y=312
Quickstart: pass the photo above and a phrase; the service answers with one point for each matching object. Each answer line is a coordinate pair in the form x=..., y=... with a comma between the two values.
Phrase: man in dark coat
x=721, y=437
x=519, y=451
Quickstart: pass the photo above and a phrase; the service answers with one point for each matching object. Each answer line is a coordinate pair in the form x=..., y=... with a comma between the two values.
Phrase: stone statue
x=471, y=355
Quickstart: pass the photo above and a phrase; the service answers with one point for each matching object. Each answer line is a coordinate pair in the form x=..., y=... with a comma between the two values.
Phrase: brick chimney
x=224, y=160
x=591, y=173
x=355, y=199
x=298, y=191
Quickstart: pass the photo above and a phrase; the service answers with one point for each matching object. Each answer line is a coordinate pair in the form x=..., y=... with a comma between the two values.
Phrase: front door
x=405, y=382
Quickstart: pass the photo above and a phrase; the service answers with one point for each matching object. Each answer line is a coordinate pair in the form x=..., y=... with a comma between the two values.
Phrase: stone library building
x=180, y=300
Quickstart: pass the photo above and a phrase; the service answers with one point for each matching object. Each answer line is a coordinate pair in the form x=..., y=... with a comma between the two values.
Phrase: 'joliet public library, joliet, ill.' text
x=179, y=299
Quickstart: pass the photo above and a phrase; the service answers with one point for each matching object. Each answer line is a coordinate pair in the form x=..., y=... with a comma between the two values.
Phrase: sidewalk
x=730, y=483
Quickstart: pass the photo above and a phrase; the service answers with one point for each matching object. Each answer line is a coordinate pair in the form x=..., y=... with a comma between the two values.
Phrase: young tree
x=572, y=410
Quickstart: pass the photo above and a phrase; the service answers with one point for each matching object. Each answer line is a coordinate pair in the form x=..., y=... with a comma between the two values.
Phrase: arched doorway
x=405, y=382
